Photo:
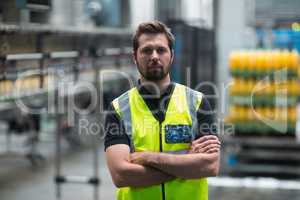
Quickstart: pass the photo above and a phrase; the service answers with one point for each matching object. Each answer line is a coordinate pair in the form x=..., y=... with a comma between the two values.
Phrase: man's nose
x=154, y=55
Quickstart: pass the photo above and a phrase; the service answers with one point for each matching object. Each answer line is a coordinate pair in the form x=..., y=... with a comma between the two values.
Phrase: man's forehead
x=153, y=39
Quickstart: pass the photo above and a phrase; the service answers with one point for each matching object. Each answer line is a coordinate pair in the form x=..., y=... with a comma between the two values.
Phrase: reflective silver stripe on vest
x=179, y=152
x=191, y=100
x=126, y=116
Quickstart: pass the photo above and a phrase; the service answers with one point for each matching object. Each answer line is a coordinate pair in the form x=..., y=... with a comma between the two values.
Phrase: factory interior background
x=57, y=55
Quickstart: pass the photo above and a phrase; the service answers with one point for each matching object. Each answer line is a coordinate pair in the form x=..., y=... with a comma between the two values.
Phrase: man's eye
x=161, y=50
x=147, y=50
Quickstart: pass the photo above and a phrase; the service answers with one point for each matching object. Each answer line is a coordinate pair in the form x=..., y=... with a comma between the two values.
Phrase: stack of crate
x=263, y=100
x=264, y=91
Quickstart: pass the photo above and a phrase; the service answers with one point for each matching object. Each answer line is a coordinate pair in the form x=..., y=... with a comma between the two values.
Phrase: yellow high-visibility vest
x=148, y=134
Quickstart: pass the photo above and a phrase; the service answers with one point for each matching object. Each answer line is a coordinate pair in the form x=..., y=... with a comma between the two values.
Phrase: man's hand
x=206, y=144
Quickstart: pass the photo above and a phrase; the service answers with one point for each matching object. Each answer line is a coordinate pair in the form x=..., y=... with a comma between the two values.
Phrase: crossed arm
x=143, y=169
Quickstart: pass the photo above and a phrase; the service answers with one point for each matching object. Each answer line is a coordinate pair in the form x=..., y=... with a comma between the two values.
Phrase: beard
x=154, y=74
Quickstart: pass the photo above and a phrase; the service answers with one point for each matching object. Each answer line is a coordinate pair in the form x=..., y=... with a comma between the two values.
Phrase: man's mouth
x=154, y=66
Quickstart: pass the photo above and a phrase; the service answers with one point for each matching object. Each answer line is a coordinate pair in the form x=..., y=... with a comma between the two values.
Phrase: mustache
x=156, y=64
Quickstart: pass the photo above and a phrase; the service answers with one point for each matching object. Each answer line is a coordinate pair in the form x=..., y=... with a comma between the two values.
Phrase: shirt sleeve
x=206, y=120
x=114, y=130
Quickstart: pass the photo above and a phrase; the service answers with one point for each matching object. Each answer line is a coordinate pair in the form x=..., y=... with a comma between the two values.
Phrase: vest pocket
x=178, y=134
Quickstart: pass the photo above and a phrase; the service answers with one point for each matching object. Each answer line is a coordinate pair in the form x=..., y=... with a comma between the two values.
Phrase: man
x=154, y=147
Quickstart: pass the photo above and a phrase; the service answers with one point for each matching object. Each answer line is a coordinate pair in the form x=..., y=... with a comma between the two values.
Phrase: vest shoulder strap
x=194, y=99
x=121, y=103
x=122, y=108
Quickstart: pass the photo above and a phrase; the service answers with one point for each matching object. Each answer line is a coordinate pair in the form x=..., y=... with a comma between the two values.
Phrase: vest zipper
x=160, y=149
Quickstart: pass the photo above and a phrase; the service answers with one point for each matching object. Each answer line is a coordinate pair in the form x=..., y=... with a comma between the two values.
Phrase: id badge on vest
x=178, y=134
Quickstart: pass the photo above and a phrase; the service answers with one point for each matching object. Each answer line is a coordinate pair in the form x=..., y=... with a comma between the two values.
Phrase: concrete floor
x=18, y=180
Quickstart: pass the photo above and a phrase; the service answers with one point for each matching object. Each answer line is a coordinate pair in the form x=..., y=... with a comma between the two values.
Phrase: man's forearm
x=186, y=166
x=134, y=175
x=127, y=174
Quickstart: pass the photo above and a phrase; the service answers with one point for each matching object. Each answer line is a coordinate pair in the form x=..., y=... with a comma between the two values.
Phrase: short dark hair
x=152, y=27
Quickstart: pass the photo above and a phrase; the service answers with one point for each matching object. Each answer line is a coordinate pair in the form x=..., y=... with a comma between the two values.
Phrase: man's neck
x=156, y=86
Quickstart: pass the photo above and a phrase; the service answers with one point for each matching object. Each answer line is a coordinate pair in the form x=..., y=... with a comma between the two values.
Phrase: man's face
x=153, y=57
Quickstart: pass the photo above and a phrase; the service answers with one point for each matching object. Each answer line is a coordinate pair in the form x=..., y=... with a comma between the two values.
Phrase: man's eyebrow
x=147, y=46
x=153, y=46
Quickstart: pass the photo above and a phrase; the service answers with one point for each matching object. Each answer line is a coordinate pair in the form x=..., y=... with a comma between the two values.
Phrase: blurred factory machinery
x=62, y=62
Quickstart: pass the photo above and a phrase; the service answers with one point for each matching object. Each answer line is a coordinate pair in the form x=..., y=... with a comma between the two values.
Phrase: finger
x=205, y=143
x=134, y=157
x=202, y=146
x=204, y=138
x=197, y=150
x=206, y=148
x=216, y=150
x=210, y=147
x=136, y=160
x=210, y=142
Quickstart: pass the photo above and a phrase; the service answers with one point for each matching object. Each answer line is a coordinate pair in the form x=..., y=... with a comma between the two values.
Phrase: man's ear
x=134, y=57
x=172, y=56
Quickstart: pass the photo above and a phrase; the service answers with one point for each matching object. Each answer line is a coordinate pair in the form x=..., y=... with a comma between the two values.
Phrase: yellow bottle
x=232, y=88
x=248, y=65
x=237, y=86
x=294, y=88
x=250, y=114
x=243, y=87
x=268, y=62
x=233, y=116
x=276, y=60
x=233, y=62
x=280, y=60
x=269, y=93
x=292, y=114
x=294, y=61
x=264, y=61
x=269, y=113
x=285, y=59
x=242, y=64
x=243, y=114
x=259, y=64
x=251, y=86
x=283, y=114
x=257, y=113
x=252, y=62
x=272, y=88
